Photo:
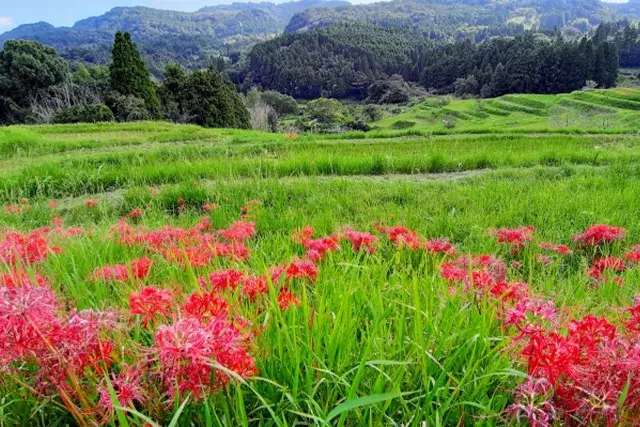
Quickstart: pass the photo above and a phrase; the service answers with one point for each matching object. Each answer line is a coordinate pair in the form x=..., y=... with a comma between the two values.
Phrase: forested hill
x=191, y=39
x=441, y=18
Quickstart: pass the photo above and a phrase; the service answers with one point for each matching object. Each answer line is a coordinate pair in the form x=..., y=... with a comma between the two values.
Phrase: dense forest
x=344, y=60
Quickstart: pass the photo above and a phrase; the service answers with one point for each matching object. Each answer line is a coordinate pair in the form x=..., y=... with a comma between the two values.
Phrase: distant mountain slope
x=440, y=17
x=169, y=36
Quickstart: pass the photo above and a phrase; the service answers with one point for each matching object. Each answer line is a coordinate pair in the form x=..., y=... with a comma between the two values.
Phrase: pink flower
x=91, y=203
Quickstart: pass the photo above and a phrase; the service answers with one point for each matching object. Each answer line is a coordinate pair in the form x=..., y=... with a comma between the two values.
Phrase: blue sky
x=67, y=12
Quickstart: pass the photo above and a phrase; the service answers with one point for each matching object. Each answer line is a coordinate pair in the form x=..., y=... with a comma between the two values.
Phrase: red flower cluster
x=136, y=270
x=401, y=236
x=360, y=240
x=606, y=264
x=194, y=246
x=516, y=237
x=600, y=234
x=190, y=351
x=150, y=302
x=32, y=248
x=561, y=249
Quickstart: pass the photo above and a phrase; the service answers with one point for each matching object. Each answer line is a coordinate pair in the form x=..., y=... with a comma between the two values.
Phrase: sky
x=67, y=12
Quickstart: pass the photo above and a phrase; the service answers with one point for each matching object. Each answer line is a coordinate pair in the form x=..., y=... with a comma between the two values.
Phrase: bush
x=403, y=124
x=94, y=113
x=282, y=104
x=127, y=108
x=372, y=113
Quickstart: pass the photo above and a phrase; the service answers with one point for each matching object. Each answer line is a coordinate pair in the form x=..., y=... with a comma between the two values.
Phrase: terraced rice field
x=155, y=274
x=597, y=111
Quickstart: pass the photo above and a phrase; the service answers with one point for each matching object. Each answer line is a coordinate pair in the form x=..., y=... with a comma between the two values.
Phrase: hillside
x=169, y=36
x=606, y=111
x=453, y=18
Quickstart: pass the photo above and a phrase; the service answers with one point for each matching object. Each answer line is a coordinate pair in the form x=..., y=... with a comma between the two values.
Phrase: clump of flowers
x=600, y=234
x=136, y=270
x=515, y=237
x=150, y=302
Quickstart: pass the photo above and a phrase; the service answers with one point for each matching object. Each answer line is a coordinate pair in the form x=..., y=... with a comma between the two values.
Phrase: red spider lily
x=532, y=403
x=510, y=292
x=401, y=236
x=360, y=240
x=14, y=210
x=441, y=246
x=32, y=248
x=150, y=302
x=20, y=279
x=303, y=235
x=600, y=234
x=127, y=385
x=480, y=271
x=136, y=213
x=248, y=208
x=208, y=207
x=561, y=249
x=286, y=299
x=239, y=231
x=516, y=237
x=220, y=280
x=304, y=269
x=318, y=248
x=26, y=313
x=91, y=203
x=633, y=256
x=633, y=324
x=612, y=264
x=255, y=286
x=52, y=205
x=530, y=311
x=453, y=274
x=276, y=273
x=136, y=270
x=542, y=259
x=206, y=306
x=189, y=349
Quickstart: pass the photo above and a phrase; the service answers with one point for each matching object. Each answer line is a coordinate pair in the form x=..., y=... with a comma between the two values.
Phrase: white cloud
x=6, y=21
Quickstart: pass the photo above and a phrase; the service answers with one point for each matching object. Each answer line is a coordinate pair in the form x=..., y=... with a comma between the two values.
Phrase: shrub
x=94, y=113
x=127, y=108
x=403, y=124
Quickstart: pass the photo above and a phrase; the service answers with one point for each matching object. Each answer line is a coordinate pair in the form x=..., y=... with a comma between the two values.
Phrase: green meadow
x=378, y=339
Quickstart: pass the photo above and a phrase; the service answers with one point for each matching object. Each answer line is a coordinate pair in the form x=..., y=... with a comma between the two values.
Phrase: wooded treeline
x=346, y=59
x=38, y=86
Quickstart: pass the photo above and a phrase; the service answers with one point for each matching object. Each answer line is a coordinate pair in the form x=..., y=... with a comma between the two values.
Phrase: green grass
x=382, y=331
x=575, y=112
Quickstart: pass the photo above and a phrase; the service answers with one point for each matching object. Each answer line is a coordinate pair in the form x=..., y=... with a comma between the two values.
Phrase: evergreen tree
x=606, y=65
x=128, y=74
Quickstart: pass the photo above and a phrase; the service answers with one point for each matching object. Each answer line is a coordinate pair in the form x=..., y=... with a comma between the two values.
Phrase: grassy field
x=373, y=325
x=598, y=111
